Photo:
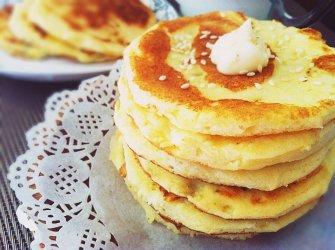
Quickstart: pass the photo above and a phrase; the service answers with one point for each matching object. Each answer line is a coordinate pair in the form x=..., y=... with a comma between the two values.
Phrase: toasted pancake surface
x=180, y=210
x=241, y=203
x=297, y=89
x=13, y=45
x=102, y=26
x=229, y=153
x=34, y=35
x=268, y=178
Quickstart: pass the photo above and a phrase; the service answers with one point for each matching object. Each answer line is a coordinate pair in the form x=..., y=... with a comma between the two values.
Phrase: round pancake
x=103, y=26
x=235, y=202
x=227, y=153
x=23, y=29
x=181, y=211
x=12, y=45
x=294, y=92
x=268, y=178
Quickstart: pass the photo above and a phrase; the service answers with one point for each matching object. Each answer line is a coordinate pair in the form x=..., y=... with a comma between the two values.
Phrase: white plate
x=51, y=69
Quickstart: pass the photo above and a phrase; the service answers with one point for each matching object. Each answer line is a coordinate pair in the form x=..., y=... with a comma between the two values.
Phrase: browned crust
x=179, y=226
x=98, y=13
x=312, y=33
x=151, y=63
x=5, y=13
x=326, y=62
x=123, y=171
x=168, y=196
x=254, y=195
x=40, y=31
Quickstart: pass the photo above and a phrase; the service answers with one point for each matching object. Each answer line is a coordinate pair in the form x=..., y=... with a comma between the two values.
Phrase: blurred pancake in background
x=84, y=31
x=102, y=26
x=13, y=45
x=33, y=34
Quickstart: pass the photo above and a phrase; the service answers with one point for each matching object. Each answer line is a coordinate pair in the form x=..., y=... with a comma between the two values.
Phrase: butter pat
x=240, y=51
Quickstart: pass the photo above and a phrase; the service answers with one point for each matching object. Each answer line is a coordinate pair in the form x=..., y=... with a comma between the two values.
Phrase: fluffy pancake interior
x=241, y=203
x=180, y=210
x=268, y=178
x=229, y=153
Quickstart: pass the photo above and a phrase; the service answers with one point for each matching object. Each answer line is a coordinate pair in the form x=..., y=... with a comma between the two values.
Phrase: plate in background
x=51, y=69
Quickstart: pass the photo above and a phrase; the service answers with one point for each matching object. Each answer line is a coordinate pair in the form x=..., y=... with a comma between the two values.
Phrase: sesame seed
x=162, y=78
x=205, y=32
x=213, y=37
x=211, y=85
x=272, y=56
x=185, y=86
x=280, y=42
x=311, y=65
x=317, y=82
x=302, y=79
x=203, y=61
x=209, y=45
x=204, y=53
x=193, y=61
x=251, y=73
x=258, y=86
x=203, y=36
x=202, y=85
x=271, y=82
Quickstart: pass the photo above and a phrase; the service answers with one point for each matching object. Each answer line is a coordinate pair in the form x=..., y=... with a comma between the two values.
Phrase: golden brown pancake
x=297, y=90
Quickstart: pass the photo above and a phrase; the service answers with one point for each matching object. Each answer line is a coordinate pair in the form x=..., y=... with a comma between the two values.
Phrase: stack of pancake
x=83, y=30
x=225, y=155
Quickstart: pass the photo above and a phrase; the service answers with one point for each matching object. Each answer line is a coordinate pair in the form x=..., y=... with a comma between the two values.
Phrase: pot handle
x=322, y=8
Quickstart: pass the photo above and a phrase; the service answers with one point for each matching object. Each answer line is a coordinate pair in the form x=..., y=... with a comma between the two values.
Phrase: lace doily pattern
x=52, y=179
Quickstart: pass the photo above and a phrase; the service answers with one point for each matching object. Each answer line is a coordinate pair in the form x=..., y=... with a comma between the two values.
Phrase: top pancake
x=103, y=26
x=296, y=90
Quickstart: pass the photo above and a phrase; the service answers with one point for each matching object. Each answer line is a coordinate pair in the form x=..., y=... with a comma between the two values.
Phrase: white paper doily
x=52, y=179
